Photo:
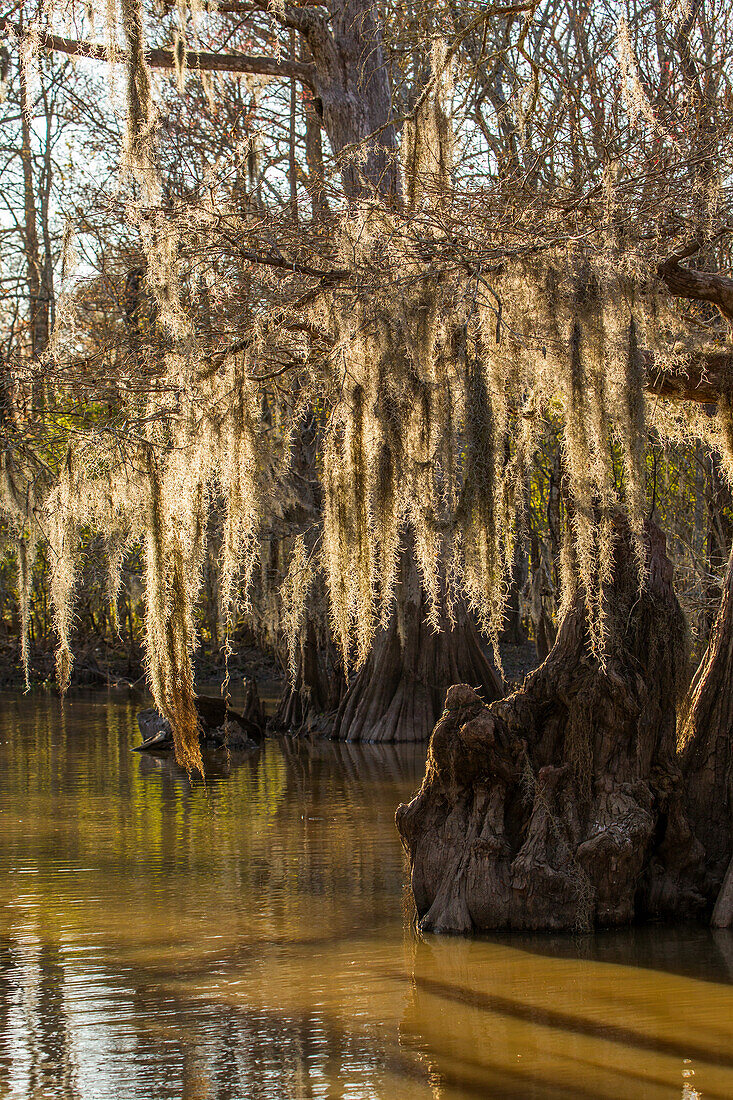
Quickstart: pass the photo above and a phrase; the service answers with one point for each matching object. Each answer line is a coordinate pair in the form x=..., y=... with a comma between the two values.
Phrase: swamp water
x=253, y=942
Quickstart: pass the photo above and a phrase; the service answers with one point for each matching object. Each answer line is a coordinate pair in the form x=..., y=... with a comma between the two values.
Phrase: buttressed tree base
x=564, y=806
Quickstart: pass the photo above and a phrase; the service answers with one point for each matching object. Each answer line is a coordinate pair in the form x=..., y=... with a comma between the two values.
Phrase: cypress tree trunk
x=398, y=693
x=560, y=807
x=353, y=94
x=316, y=689
x=707, y=734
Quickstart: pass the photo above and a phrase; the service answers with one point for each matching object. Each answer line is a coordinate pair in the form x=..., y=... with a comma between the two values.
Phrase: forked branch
x=697, y=286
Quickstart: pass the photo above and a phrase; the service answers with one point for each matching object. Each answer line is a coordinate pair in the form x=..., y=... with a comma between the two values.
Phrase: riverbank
x=97, y=666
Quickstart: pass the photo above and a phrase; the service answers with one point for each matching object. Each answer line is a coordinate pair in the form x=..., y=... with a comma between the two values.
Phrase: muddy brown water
x=253, y=940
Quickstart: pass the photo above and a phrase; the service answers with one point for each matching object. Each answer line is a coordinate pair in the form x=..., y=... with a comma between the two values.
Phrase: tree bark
x=316, y=690
x=398, y=693
x=316, y=183
x=38, y=291
x=707, y=735
x=719, y=537
x=353, y=95
x=539, y=597
x=560, y=807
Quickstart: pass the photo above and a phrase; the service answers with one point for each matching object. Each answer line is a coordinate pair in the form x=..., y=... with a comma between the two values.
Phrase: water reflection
x=251, y=940
x=544, y=1026
x=687, y=949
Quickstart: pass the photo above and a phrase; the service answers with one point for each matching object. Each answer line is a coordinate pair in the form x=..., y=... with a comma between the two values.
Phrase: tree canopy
x=330, y=275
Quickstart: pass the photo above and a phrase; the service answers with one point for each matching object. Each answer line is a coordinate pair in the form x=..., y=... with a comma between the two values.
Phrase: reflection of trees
x=223, y=1052
x=52, y=1048
x=246, y=941
x=339, y=816
x=326, y=811
x=684, y=949
x=175, y=1045
x=38, y=1057
x=493, y=1019
x=188, y=942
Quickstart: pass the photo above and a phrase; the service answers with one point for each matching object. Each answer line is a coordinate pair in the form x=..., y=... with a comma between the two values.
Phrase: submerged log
x=560, y=807
x=219, y=726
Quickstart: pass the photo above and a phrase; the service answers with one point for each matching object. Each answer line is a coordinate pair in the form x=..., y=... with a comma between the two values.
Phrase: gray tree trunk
x=353, y=95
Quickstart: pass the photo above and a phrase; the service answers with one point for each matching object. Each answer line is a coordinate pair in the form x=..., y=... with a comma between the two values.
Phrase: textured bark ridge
x=398, y=693
x=309, y=702
x=560, y=806
x=707, y=735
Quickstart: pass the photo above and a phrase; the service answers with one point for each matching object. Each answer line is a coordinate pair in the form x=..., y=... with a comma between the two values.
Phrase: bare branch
x=329, y=277
x=165, y=59
x=697, y=286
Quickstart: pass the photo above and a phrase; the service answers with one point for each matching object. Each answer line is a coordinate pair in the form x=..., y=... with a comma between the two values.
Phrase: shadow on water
x=692, y=950
x=564, y=1027
x=249, y=940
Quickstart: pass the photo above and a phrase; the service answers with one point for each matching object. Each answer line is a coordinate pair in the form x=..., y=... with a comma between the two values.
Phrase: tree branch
x=697, y=286
x=287, y=15
x=704, y=379
x=328, y=277
x=165, y=59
